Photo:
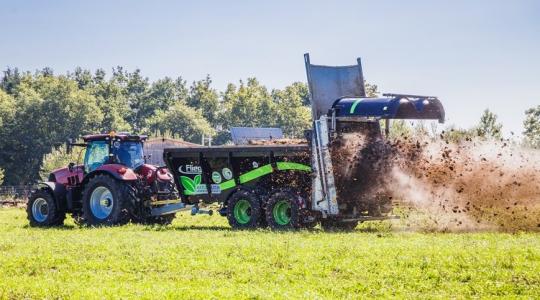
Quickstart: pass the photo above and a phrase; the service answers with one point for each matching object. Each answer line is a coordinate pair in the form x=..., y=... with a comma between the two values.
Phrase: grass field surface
x=200, y=257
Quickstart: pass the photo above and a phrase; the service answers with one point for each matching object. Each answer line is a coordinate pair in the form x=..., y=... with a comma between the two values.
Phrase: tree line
x=39, y=111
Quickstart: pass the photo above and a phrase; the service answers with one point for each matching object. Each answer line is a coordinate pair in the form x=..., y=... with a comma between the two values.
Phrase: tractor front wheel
x=42, y=210
x=106, y=201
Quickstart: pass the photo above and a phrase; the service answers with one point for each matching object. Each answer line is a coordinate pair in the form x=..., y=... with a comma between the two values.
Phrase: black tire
x=117, y=209
x=42, y=210
x=244, y=210
x=160, y=220
x=263, y=196
x=283, y=211
x=337, y=225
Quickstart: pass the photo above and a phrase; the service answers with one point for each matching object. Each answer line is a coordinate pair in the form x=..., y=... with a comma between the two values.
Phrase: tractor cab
x=123, y=149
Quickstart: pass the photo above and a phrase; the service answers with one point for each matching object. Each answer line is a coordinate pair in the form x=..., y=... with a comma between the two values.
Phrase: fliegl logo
x=190, y=169
x=191, y=185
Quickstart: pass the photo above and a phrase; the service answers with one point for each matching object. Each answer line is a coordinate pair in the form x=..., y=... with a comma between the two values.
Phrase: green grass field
x=200, y=257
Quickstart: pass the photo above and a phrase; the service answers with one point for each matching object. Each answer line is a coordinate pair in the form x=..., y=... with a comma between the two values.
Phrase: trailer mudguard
x=396, y=107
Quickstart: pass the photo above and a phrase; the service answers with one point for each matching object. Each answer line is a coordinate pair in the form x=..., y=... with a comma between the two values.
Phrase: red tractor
x=113, y=186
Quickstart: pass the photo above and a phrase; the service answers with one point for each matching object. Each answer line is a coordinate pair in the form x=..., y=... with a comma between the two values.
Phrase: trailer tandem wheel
x=283, y=211
x=244, y=210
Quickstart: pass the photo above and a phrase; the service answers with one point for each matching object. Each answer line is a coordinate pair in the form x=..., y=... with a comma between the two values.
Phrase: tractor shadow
x=66, y=227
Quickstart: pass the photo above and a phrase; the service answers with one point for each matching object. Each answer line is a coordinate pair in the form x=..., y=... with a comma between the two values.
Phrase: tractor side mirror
x=71, y=166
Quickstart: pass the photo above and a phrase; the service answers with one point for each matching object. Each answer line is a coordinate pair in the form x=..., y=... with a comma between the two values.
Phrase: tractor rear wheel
x=42, y=210
x=283, y=211
x=244, y=210
x=106, y=201
x=337, y=225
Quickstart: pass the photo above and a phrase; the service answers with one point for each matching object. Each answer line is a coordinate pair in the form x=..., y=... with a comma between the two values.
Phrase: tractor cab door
x=97, y=154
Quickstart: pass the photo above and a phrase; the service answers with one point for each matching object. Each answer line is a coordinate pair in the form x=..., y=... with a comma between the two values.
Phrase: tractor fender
x=57, y=190
x=113, y=171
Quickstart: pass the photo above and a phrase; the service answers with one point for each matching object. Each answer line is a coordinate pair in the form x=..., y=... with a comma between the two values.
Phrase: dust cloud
x=466, y=186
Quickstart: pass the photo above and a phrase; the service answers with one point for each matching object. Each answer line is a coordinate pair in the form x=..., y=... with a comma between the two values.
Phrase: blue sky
x=472, y=54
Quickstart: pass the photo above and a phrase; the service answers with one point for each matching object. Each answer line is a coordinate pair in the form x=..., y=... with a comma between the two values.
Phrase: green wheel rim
x=242, y=211
x=282, y=212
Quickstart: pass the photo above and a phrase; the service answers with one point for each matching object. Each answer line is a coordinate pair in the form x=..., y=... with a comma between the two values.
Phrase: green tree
x=135, y=88
x=7, y=115
x=162, y=94
x=59, y=158
x=371, y=89
x=205, y=99
x=488, y=127
x=249, y=105
x=10, y=80
x=7, y=109
x=293, y=116
x=532, y=127
x=399, y=129
x=301, y=90
x=456, y=135
x=180, y=120
x=83, y=78
x=110, y=97
x=49, y=110
x=112, y=101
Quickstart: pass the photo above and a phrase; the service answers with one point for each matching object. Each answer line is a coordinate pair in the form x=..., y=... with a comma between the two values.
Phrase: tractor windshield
x=130, y=154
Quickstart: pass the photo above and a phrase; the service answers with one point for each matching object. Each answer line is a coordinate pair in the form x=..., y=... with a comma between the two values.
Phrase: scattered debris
x=471, y=185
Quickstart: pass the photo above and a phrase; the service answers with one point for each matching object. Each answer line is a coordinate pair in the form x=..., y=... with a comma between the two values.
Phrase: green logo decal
x=216, y=177
x=227, y=173
x=353, y=106
x=190, y=185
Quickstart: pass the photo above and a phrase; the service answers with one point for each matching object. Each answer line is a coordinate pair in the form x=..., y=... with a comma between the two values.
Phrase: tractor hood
x=391, y=107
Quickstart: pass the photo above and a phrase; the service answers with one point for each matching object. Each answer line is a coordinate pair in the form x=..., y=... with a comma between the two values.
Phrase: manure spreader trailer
x=327, y=180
